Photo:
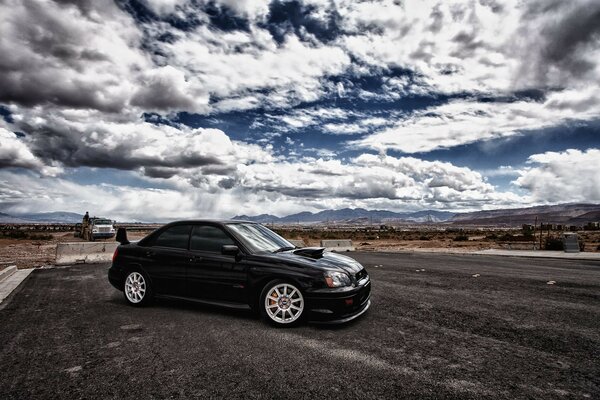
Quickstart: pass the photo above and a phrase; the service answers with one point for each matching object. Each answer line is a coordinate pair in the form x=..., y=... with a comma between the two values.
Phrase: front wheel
x=282, y=304
x=137, y=289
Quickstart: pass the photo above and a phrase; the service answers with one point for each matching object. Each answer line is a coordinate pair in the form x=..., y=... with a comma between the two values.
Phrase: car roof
x=213, y=221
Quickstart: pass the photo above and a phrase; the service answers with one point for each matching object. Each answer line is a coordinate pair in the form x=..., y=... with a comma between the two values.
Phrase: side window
x=176, y=237
x=209, y=238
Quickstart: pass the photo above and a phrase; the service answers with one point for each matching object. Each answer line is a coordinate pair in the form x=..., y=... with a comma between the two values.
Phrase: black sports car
x=241, y=265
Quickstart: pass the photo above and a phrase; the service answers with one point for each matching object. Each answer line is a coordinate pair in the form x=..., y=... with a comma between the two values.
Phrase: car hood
x=316, y=257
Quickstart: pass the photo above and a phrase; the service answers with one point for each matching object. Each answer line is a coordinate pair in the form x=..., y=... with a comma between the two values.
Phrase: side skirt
x=226, y=304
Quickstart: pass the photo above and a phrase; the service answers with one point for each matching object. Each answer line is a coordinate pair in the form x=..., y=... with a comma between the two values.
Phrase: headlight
x=94, y=230
x=337, y=279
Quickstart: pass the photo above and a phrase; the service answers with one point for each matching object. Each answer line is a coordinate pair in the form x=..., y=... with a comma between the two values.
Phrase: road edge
x=12, y=284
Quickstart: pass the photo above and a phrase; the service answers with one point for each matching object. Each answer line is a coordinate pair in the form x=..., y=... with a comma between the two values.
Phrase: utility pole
x=534, y=228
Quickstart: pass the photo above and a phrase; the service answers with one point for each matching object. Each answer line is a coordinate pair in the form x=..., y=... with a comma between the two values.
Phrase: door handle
x=149, y=253
x=196, y=259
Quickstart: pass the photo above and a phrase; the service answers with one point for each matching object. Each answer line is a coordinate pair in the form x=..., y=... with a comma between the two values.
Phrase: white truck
x=95, y=228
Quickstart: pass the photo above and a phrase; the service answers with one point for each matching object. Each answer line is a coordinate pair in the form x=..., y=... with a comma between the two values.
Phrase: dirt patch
x=456, y=240
x=26, y=253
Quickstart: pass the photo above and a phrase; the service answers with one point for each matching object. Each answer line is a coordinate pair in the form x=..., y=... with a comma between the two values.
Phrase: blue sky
x=198, y=108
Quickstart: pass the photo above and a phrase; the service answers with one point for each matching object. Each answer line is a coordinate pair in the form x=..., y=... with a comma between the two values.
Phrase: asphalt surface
x=433, y=334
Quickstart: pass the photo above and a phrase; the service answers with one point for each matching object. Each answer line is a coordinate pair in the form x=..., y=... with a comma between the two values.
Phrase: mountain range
x=569, y=214
x=60, y=217
x=352, y=215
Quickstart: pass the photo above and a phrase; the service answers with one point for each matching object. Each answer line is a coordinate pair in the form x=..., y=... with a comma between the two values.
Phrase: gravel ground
x=434, y=331
x=29, y=253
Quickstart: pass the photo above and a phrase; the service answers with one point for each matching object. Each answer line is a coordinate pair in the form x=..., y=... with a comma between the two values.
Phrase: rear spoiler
x=122, y=236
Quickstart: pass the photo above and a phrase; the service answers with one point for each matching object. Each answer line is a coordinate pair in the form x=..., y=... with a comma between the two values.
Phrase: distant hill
x=261, y=219
x=352, y=215
x=10, y=219
x=58, y=216
x=571, y=214
x=592, y=216
x=52, y=217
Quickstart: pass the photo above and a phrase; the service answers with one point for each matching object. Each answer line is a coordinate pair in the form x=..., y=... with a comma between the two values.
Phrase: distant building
x=592, y=226
x=528, y=228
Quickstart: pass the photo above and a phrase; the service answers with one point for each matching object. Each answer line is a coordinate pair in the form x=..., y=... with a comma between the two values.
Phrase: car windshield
x=258, y=238
x=102, y=222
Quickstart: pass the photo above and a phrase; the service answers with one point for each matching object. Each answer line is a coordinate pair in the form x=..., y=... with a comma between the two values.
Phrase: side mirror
x=122, y=236
x=230, y=250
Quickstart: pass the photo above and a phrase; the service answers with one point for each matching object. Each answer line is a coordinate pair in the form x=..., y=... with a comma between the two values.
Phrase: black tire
x=277, y=315
x=137, y=295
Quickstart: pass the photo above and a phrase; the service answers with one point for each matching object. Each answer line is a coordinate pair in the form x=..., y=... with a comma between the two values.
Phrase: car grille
x=361, y=275
x=103, y=230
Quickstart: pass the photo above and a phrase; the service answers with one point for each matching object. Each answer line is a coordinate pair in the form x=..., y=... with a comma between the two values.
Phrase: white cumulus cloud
x=566, y=176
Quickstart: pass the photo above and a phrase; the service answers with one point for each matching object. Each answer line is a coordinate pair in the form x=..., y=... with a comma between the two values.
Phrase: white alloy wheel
x=135, y=287
x=284, y=303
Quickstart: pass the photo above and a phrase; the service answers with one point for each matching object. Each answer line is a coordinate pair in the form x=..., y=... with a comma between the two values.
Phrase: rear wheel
x=282, y=304
x=137, y=289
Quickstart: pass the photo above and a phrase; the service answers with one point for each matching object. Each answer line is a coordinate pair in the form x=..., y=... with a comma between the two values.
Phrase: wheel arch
x=259, y=285
x=130, y=267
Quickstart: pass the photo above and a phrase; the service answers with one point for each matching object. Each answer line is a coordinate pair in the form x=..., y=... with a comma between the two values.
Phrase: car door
x=166, y=259
x=210, y=274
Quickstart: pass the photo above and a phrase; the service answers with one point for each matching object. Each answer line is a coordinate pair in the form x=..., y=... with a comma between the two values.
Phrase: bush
x=424, y=237
x=554, y=244
x=461, y=238
x=40, y=236
x=527, y=238
x=17, y=234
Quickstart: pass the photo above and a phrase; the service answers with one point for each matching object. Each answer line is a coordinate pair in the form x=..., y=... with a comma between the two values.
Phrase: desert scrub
x=17, y=234
x=554, y=244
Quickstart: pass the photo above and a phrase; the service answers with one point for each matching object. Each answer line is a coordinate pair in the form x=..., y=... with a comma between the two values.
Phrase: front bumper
x=103, y=235
x=337, y=307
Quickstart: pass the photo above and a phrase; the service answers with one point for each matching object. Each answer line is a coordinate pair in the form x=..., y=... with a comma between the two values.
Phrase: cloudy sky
x=162, y=109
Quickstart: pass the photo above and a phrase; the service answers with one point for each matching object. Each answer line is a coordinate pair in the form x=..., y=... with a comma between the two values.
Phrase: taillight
x=115, y=254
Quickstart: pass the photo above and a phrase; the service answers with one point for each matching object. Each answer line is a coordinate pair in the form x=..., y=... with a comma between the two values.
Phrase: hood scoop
x=310, y=252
